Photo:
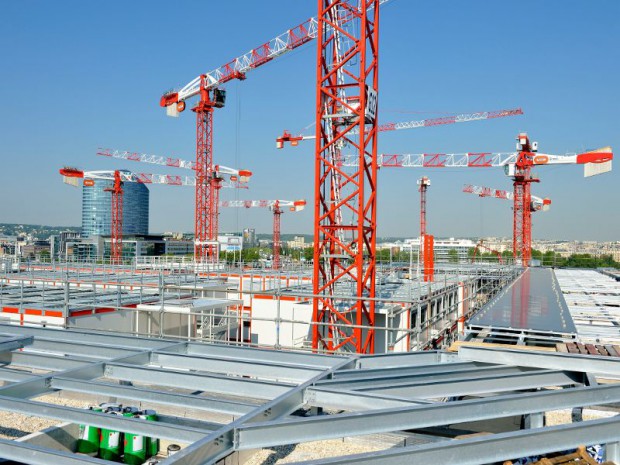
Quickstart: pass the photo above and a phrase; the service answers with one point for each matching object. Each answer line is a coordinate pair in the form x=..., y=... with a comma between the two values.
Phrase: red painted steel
x=277, y=211
x=116, y=222
x=344, y=254
x=428, y=246
x=423, y=183
x=205, y=235
x=522, y=214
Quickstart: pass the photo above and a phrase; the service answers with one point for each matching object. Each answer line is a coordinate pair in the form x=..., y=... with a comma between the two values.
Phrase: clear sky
x=76, y=75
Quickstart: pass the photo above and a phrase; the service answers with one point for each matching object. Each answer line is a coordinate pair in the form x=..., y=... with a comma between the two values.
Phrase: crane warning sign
x=371, y=104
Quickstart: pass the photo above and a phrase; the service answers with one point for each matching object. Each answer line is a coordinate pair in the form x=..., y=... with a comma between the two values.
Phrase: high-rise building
x=97, y=208
x=249, y=237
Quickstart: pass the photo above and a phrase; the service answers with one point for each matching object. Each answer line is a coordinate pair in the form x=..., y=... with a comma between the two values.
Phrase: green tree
x=537, y=255
x=453, y=256
x=250, y=254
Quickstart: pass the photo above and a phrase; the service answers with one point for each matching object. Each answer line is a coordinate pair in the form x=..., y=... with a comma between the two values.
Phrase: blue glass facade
x=97, y=209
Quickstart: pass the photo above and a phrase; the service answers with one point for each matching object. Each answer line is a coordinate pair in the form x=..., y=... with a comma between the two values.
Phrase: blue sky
x=79, y=75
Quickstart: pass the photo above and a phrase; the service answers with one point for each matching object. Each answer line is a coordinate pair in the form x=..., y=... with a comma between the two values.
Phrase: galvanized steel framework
x=251, y=394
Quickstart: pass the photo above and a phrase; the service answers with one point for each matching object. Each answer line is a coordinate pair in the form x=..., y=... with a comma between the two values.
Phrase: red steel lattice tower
x=522, y=213
x=346, y=116
x=423, y=182
x=116, y=223
x=276, y=235
x=427, y=244
x=426, y=240
x=206, y=206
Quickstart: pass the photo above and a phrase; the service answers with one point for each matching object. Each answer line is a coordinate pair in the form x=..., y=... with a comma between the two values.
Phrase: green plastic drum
x=152, y=444
x=111, y=443
x=135, y=449
x=134, y=445
x=88, y=439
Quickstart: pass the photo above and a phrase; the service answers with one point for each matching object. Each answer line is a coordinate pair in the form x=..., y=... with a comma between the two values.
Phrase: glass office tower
x=97, y=208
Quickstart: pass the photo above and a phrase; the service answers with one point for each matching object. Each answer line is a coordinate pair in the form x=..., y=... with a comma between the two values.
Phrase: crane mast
x=276, y=235
x=116, y=222
x=426, y=240
x=423, y=185
x=346, y=116
x=522, y=188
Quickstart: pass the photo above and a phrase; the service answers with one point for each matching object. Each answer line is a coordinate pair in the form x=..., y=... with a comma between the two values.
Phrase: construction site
x=342, y=359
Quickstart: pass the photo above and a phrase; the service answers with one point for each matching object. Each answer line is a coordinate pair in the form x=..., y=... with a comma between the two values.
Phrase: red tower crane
x=276, y=207
x=464, y=118
x=517, y=165
x=116, y=222
x=208, y=87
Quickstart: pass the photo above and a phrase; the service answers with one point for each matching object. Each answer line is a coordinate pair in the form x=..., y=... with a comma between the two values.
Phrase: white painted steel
x=245, y=63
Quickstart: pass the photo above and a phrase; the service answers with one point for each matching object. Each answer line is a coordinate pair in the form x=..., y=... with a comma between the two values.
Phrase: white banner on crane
x=594, y=169
x=171, y=110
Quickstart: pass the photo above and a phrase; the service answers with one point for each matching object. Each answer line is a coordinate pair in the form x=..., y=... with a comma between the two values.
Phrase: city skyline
x=102, y=94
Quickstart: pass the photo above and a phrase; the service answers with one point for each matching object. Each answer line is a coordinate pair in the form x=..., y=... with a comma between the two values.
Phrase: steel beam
x=22, y=452
x=82, y=349
x=408, y=370
x=198, y=381
x=492, y=448
x=264, y=355
x=423, y=376
x=464, y=386
x=88, y=337
x=15, y=376
x=419, y=416
x=400, y=360
x=254, y=368
x=149, y=395
x=14, y=343
x=41, y=361
x=33, y=387
x=355, y=400
x=548, y=360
